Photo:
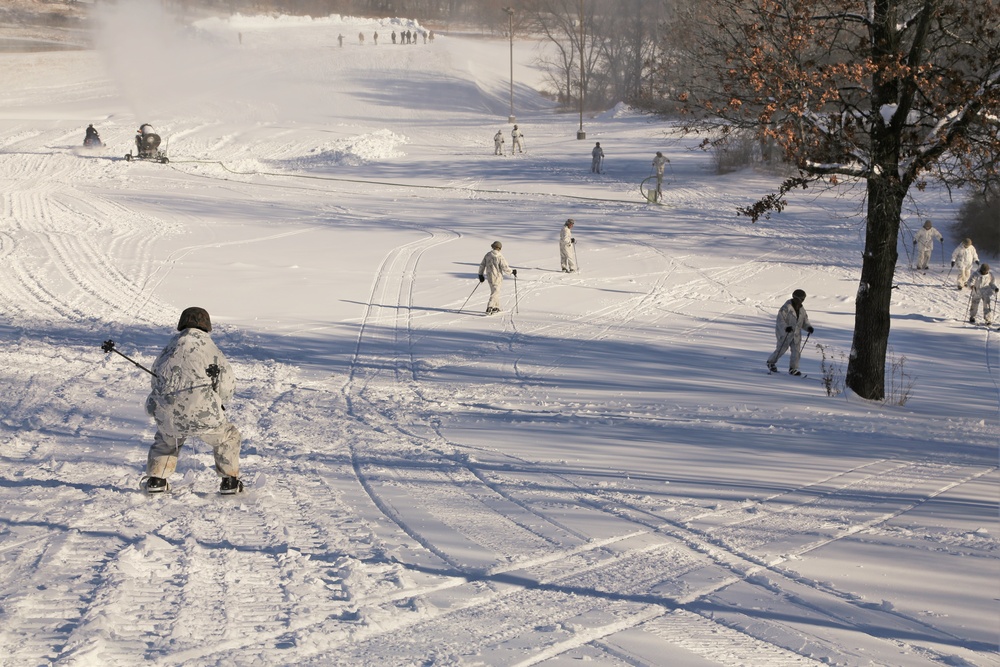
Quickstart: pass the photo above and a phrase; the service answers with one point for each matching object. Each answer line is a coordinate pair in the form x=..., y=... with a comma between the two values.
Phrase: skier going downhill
x=192, y=383
x=492, y=269
x=566, y=259
x=923, y=244
x=963, y=258
x=791, y=320
x=984, y=288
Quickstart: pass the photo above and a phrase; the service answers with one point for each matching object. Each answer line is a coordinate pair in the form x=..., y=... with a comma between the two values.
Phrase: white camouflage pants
x=494, y=302
x=923, y=256
x=787, y=340
x=224, y=441
x=986, y=296
x=566, y=260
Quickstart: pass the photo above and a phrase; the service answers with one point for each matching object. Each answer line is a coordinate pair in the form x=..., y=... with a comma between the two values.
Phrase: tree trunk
x=866, y=367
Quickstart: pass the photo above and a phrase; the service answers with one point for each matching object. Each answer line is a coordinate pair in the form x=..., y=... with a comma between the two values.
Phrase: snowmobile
x=92, y=140
x=148, y=148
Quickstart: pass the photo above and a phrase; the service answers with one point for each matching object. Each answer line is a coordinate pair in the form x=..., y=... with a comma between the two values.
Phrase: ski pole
x=803, y=346
x=516, y=298
x=576, y=262
x=109, y=346
x=469, y=297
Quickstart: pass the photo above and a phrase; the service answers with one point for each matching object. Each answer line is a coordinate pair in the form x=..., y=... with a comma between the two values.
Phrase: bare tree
x=888, y=92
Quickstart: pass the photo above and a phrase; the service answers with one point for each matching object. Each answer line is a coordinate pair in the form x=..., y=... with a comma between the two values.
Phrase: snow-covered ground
x=603, y=473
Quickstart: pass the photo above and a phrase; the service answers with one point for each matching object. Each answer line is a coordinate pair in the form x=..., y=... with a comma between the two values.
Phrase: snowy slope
x=602, y=473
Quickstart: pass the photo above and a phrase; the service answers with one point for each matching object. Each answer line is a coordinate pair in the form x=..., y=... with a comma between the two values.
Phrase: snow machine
x=92, y=140
x=148, y=148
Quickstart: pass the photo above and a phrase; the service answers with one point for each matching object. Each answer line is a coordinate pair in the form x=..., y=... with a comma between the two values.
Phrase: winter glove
x=788, y=330
x=953, y=265
x=514, y=271
x=977, y=262
x=482, y=278
x=996, y=289
x=810, y=330
x=572, y=240
x=150, y=406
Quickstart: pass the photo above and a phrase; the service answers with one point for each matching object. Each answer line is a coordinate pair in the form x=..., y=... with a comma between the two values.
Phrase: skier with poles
x=498, y=143
x=984, y=288
x=191, y=385
x=923, y=244
x=567, y=258
x=596, y=158
x=791, y=320
x=659, y=162
x=493, y=268
x=517, y=140
x=963, y=258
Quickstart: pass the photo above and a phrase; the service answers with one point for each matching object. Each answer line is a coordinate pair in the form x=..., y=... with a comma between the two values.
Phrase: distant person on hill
x=596, y=156
x=659, y=162
x=192, y=383
x=984, y=288
x=361, y=38
x=340, y=39
x=963, y=258
x=492, y=269
x=393, y=36
x=409, y=37
x=430, y=35
x=567, y=260
x=791, y=320
x=498, y=143
x=517, y=140
x=923, y=244
x=375, y=38
x=424, y=33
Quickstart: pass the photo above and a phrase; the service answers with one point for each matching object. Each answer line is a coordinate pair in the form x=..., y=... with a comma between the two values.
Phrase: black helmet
x=799, y=295
x=195, y=318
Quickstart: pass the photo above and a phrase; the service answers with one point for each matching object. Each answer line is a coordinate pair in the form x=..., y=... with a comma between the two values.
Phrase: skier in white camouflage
x=963, y=258
x=192, y=383
x=792, y=319
x=923, y=244
x=567, y=260
x=984, y=288
x=492, y=269
x=498, y=143
x=517, y=140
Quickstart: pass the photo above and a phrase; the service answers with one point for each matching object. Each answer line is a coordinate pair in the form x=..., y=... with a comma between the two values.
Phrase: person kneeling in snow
x=791, y=320
x=492, y=268
x=192, y=383
x=984, y=287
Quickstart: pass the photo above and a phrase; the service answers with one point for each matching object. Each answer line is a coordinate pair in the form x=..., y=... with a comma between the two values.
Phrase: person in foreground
x=192, y=383
x=984, y=288
x=792, y=319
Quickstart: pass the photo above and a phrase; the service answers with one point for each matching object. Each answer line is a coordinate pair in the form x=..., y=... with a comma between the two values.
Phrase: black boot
x=230, y=485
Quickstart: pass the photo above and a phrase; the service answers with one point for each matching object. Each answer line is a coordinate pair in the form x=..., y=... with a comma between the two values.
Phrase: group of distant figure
x=404, y=37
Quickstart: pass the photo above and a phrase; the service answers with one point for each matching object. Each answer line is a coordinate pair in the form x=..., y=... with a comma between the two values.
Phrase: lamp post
x=510, y=33
x=580, y=134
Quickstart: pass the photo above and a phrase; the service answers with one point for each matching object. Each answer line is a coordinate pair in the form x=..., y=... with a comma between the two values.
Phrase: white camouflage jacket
x=964, y=257
x=984, y=282
x=493, y=266
x=787, y=317
x=183, y=401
